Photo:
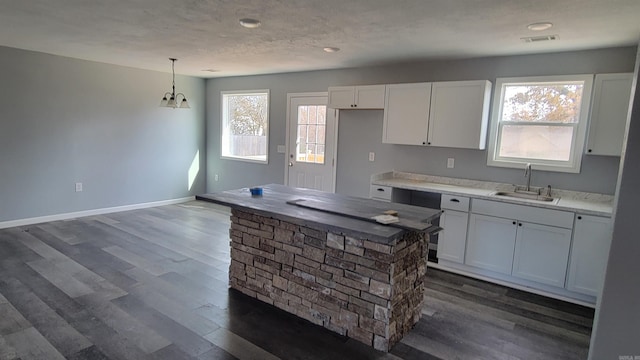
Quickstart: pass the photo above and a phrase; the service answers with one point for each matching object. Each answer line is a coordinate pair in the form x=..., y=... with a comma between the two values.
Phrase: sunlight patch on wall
x=194, y=169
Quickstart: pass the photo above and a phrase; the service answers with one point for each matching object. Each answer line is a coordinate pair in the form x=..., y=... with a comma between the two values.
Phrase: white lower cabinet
x=491, y=243
x=550, y=250
x=521, y=241
x=451, y=240
x=541, y=253
x=589, y=254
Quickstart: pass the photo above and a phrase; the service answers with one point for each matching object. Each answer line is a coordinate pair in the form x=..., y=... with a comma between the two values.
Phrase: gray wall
x=617, y=322
x=360, y=131
x=64, y=121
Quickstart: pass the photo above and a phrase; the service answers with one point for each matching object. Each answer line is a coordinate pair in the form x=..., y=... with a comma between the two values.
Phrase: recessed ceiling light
x=250, y=23
x=331, y=49
x=541, y=26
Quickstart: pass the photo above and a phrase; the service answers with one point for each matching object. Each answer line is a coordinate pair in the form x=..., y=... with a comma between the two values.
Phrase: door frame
x=288, y=128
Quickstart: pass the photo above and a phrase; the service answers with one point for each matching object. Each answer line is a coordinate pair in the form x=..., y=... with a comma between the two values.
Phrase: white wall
x=64, y=121
x=617, y=325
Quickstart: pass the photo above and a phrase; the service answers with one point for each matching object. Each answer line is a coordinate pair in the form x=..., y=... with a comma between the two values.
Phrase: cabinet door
x=589, y=254
x=459, y=114
x=341, y=97
x=491, y=243
x=452, y=240
x=369, y=97
x=609, y=111
x=406, y=114
x=541, y=253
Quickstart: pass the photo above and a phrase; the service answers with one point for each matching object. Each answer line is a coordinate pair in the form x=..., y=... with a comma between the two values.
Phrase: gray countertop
x=274, y=200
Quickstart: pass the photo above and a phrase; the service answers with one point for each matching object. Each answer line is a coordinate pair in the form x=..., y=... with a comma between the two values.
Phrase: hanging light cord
x=173, y=84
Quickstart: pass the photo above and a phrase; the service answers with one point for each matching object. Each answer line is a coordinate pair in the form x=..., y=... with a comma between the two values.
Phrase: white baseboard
x=77, y=214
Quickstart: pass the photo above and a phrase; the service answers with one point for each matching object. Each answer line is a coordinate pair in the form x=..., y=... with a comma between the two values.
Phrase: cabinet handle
x=380, y=189
x=589, y=150
x=428, y=143
x=455, y=200
x=519, y=224
x=514, y=223
x=355, y=105
x=424, y=143
x=579, y=217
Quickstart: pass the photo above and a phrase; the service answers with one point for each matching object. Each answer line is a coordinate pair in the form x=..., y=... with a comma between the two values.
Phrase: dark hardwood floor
x=152, y=284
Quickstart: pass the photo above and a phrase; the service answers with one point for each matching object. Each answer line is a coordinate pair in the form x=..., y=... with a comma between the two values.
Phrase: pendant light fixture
x=172, y=100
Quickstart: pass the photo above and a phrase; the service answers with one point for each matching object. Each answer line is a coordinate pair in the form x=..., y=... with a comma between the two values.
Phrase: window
x=245, y=125
x=540, y=120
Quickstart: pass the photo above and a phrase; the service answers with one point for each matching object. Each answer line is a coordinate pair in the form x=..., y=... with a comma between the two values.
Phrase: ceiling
x=206, y=34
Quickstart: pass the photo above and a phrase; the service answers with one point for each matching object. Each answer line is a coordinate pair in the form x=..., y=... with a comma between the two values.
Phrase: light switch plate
x=450, y=163
x=372, y=156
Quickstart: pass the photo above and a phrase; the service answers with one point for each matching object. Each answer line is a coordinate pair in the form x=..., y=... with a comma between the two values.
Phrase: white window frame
x=579, y=135
x=224, y=128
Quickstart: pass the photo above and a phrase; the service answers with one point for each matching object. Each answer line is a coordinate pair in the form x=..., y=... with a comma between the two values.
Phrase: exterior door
x=312, y=143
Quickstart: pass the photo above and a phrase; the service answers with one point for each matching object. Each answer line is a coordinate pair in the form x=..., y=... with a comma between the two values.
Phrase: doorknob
x=290, y=163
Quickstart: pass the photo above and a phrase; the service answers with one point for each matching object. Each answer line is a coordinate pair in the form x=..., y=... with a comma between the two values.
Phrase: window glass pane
x=322, y=114
x=313, y=119
x=245, y=126
x=320, y=154
x=321, y=133
x=303, y=114
x=551, y=102
x=536, y=142
x=311, y=136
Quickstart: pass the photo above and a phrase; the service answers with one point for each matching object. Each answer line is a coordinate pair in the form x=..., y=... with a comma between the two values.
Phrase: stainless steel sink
x=527, y=196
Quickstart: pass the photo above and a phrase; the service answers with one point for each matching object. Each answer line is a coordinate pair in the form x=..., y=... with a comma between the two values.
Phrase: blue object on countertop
x=256, y=191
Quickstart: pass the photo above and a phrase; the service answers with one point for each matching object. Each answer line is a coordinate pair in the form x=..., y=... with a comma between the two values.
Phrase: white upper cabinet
x=589, y=254
x=459, y=114
x=447, y=114
x=357, y=97
x=609, y=111
x=406, y=114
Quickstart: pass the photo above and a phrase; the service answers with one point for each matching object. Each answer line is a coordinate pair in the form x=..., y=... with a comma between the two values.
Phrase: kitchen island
x=321, y=257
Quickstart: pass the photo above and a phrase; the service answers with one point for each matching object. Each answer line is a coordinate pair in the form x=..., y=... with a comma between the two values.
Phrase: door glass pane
x=311, y=133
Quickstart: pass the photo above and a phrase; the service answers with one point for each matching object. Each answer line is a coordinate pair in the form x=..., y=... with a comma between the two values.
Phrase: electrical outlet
x=78, y=187
x=450, y=163
x=215, y=177
x=372, y=156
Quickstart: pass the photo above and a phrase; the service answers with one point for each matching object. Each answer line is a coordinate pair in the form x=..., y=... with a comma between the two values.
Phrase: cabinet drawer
x=380, y=192
x=454, y=202
x=532, y=214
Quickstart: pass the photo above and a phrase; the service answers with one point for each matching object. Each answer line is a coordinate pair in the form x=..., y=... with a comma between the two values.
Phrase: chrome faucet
x=527, y=174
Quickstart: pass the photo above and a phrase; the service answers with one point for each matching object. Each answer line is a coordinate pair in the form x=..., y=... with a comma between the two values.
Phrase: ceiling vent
x=531, y=39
